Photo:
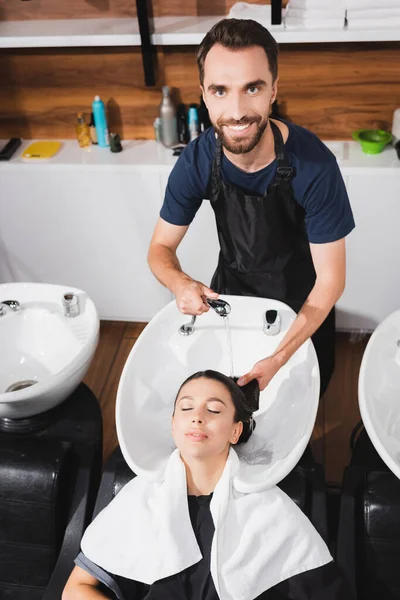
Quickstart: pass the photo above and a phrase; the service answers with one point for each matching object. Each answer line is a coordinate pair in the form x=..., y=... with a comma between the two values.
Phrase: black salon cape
x=195, y=583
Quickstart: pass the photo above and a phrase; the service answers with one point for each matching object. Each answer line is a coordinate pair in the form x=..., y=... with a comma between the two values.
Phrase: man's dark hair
x=236, y=34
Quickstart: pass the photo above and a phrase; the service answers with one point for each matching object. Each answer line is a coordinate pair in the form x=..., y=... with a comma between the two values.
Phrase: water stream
x=229, y=344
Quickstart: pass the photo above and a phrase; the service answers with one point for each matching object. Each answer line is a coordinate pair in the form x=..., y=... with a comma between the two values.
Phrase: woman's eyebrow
x=212, y=399
x=216, y=400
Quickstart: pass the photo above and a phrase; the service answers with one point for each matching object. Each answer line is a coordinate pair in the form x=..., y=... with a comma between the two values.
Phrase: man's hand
x=190, y=296
x=263, y=371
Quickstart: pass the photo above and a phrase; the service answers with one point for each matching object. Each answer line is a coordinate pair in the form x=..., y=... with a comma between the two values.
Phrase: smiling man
x=280, y=204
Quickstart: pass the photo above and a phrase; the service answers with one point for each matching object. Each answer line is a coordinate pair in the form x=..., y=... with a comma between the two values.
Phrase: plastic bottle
x=182, y=124
x=92, y=127
x=83, y=132
x=157, y=129
x=100, y=121
x=396, y=126
x=193, y=122
x=169, y=127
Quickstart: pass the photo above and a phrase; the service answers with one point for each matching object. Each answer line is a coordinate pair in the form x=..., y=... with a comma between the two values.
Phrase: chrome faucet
x=70, y=302
x=12, y=305
x=221, y=307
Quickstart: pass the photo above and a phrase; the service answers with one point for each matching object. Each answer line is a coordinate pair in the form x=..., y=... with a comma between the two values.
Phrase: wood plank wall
x=331, y=89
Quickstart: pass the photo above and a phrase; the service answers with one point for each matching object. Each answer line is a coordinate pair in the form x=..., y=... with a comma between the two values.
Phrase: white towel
x=374, y=23
x=373, y=13
x=294, y=23
x=318, y=4
x=260, y=538
x=349, y=4
x=257, y=12
x=300, y=13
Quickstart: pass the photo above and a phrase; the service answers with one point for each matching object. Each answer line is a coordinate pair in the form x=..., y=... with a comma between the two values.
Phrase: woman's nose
x=197, y=419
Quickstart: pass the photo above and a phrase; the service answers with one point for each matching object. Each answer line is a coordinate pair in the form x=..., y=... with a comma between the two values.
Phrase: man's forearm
x=312, y=314
x=165, y=266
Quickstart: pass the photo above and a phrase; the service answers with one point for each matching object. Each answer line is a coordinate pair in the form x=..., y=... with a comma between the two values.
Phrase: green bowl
x=372, y=141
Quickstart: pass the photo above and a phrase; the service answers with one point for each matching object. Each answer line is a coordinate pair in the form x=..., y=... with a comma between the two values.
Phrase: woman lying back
x=194, y=536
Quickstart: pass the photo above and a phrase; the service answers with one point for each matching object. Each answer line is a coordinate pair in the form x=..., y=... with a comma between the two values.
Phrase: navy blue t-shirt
x=318, y=184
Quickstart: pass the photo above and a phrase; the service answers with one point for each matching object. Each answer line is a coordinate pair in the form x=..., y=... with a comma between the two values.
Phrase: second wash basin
x=44, y=354
x=379, y=390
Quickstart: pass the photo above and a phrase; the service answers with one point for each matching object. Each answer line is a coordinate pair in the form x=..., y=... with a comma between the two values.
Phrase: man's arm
x=162, y=257
x=330, y=267
x=82, y=586
x=165, y=265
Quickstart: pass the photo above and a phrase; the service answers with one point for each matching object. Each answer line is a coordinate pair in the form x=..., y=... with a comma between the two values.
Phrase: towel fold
x=257, y=12
x=373, y=13
x=260, y=539
x=374, y=23
x=300, y=13
x=350, y=4
x=294, y=23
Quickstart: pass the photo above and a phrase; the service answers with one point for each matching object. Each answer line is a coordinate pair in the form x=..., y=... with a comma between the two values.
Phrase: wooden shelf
x=169, y=31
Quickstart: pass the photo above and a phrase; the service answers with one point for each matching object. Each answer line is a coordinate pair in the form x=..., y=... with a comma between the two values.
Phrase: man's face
x=238, y=92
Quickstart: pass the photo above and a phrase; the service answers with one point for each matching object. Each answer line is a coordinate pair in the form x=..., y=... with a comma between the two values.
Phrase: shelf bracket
x=276, y=12
x=144, y=11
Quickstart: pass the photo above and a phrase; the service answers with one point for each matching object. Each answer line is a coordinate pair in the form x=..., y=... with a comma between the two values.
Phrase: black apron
x=264, y=247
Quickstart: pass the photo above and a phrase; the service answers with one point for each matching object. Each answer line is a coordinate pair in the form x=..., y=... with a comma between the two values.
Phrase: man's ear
x=274, y=90
x=203, y=94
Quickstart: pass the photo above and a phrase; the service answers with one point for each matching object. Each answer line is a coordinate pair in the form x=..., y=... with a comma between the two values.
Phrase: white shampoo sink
x=44, y=355
x=379, y=391
x=162, y=358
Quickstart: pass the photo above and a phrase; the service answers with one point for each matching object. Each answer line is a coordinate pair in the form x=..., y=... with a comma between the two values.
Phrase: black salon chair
x=368, y=543
x=305, y=485
x=49, y=474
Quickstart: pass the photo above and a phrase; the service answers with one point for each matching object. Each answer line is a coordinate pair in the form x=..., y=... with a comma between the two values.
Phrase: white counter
x=148, y=154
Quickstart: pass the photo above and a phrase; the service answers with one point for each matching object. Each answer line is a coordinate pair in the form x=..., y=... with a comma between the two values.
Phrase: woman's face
x=203, y=422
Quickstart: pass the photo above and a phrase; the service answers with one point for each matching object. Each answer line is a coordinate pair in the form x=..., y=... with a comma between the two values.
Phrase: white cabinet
x=373, y=252
x=86, y=220
x=90, y=229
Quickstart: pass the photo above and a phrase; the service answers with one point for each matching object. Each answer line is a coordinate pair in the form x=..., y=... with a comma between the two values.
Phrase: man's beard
x=241, y=145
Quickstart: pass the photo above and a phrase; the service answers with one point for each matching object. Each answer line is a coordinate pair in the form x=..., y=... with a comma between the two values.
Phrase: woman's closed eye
x=215, y=412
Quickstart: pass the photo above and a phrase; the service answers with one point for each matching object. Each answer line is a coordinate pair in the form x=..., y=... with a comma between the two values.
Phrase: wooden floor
x=338, y=411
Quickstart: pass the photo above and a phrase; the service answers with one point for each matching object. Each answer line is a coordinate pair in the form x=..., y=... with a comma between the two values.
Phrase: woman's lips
x=196, y=436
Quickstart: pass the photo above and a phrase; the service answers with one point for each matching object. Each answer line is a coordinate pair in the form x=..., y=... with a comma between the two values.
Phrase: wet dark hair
x=245, y=399
x=235, y=34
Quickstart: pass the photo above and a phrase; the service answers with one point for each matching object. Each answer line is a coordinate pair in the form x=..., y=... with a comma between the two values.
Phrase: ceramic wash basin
x=44, y=355
x=379, y=390
x=162, y=358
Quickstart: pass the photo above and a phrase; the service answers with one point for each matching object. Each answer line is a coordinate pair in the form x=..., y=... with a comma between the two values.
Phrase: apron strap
x=284, y=171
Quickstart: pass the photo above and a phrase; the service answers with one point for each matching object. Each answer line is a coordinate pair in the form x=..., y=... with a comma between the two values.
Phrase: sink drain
x=20, y=385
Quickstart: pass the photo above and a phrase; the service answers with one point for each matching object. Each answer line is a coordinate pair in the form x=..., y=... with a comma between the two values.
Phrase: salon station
x=199, y=301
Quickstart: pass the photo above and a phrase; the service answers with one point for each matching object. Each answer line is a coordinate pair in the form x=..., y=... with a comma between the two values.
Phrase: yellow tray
x=41, y=150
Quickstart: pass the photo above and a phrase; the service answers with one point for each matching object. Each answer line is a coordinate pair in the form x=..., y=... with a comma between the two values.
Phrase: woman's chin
x=195, y=453
x=200, y=452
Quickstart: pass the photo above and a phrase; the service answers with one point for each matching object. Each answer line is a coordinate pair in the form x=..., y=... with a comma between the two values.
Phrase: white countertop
x=147, y=154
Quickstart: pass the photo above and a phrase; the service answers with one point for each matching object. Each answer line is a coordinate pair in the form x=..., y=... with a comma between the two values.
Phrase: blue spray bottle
x=100, y=122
